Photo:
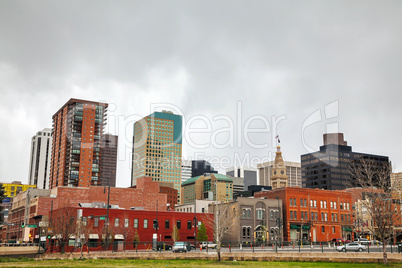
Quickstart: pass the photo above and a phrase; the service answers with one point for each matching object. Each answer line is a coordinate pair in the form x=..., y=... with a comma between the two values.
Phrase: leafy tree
x=202, y=233
x=175, y=232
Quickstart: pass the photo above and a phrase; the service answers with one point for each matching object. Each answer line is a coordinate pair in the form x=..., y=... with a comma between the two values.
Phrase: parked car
x=179, y=247
x=354, y=246
x=162, y=246
x=375, y=243
x=189, y=246
x=205, y=244
x=362, y=241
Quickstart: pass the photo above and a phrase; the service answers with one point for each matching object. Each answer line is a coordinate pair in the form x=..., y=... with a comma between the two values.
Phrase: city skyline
x=303, y=69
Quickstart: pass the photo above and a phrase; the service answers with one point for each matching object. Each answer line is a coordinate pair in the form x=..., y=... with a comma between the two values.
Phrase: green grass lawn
x=6, y=262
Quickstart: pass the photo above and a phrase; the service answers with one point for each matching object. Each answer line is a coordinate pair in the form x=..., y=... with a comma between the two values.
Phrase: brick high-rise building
x=39, y=164
x=157, y=148
x=76, y=152
x=108, y=161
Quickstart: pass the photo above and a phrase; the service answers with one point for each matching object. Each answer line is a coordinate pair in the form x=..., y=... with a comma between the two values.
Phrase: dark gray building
x=108, y=161
x=200, y=167
x=329, y=167
x=249, y=175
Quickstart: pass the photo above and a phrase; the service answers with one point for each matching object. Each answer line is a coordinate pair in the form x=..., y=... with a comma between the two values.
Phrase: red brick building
x=126, y=224
x=76, y=151
x=314, y=214
x=146, y=196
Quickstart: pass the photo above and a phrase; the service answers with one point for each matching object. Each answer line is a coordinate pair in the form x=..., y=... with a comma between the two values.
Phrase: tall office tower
x=39, y=163
x=249, y=174
x=157, y=149
x=329, y=167
x=293, y=171
x=108, y=161
x=77, y=132
x=200, y=167
x=185, y=170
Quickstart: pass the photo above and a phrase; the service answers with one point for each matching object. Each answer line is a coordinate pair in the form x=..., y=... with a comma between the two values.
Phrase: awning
x=306, y=227
x=294, y=227
x=347, y=229
x=119, y=236
x=93, y=236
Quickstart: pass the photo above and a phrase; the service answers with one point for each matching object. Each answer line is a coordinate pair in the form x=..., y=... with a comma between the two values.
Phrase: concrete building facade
x=249, y=174
x=157, y=149
x=40, y=159
x=293, y=171
x=207, y=187
x=108, y=161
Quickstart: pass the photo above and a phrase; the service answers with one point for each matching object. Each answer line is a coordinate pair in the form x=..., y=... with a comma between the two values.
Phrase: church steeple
x=279, y=178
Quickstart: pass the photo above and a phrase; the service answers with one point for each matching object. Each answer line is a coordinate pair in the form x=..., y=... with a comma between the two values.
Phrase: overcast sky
x=222, y=64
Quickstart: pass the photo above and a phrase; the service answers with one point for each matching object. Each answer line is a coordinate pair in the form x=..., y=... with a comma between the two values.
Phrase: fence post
x=391, y=247
x=368, y=248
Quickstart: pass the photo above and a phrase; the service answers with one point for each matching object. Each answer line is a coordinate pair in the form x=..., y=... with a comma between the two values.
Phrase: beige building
x=210, y=186
x=293, y=171
x=396, y=181
x=279, y=179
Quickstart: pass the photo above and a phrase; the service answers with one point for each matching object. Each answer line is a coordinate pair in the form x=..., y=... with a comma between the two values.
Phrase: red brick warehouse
x=314, y=214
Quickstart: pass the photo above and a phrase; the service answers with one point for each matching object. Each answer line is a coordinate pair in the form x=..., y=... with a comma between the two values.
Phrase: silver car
x=351, y=247
x=179, y=247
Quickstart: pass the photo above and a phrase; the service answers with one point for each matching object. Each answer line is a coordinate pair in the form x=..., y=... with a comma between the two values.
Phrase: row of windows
x=324, y=216
x=260, y=213
x=323, y=204
x=136, y=223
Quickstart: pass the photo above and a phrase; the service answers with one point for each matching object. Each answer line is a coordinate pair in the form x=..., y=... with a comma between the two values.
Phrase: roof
x=191, y=180
x=221, y=177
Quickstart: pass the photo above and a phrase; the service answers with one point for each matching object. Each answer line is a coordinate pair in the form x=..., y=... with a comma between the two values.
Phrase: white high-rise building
x=39, y=163
x=186, y=166
x=293, y=171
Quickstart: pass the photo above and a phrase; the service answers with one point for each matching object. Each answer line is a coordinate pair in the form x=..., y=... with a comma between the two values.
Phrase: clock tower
x=278, y=176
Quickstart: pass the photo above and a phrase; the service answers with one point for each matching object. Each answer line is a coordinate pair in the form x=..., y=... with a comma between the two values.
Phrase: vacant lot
x=5, y=262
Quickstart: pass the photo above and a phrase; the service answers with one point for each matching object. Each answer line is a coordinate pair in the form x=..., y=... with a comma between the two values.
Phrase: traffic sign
x=102, y=218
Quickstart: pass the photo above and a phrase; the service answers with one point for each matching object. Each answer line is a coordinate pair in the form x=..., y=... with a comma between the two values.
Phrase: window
x=332, y=217
x=312, y=216
x=347, y=206
x=291, y=215
x=291, y=202
x=325, y=204
x=96, y=222
x=116, y=222
x=305, y=215
x=336, y=216
x=323, y=229
x=167, y=224
x=145, y=223
x=315, y=203
x=295, y=214
x=246, y=232
x=272, y=214
x=341, y=217
x=305, y=202
x=333, y=229
x=301, y=202
x=189, y=225
x=316, y=216
x=322, y=216
x=260, y=214
x=248, y=213
x=302, y=215
x=135, y=223
x=126, y=221
x=178, y=224
x=341, y=205
x=321, y=204
x=334, y=205
x=311, y=203
x=326, y=216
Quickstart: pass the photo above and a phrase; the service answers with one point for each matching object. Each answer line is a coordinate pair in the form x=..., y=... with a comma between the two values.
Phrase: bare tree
x=372, y=180
x=226, y=215
x=64, y=225
x=83, y=232
x=124, y=229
